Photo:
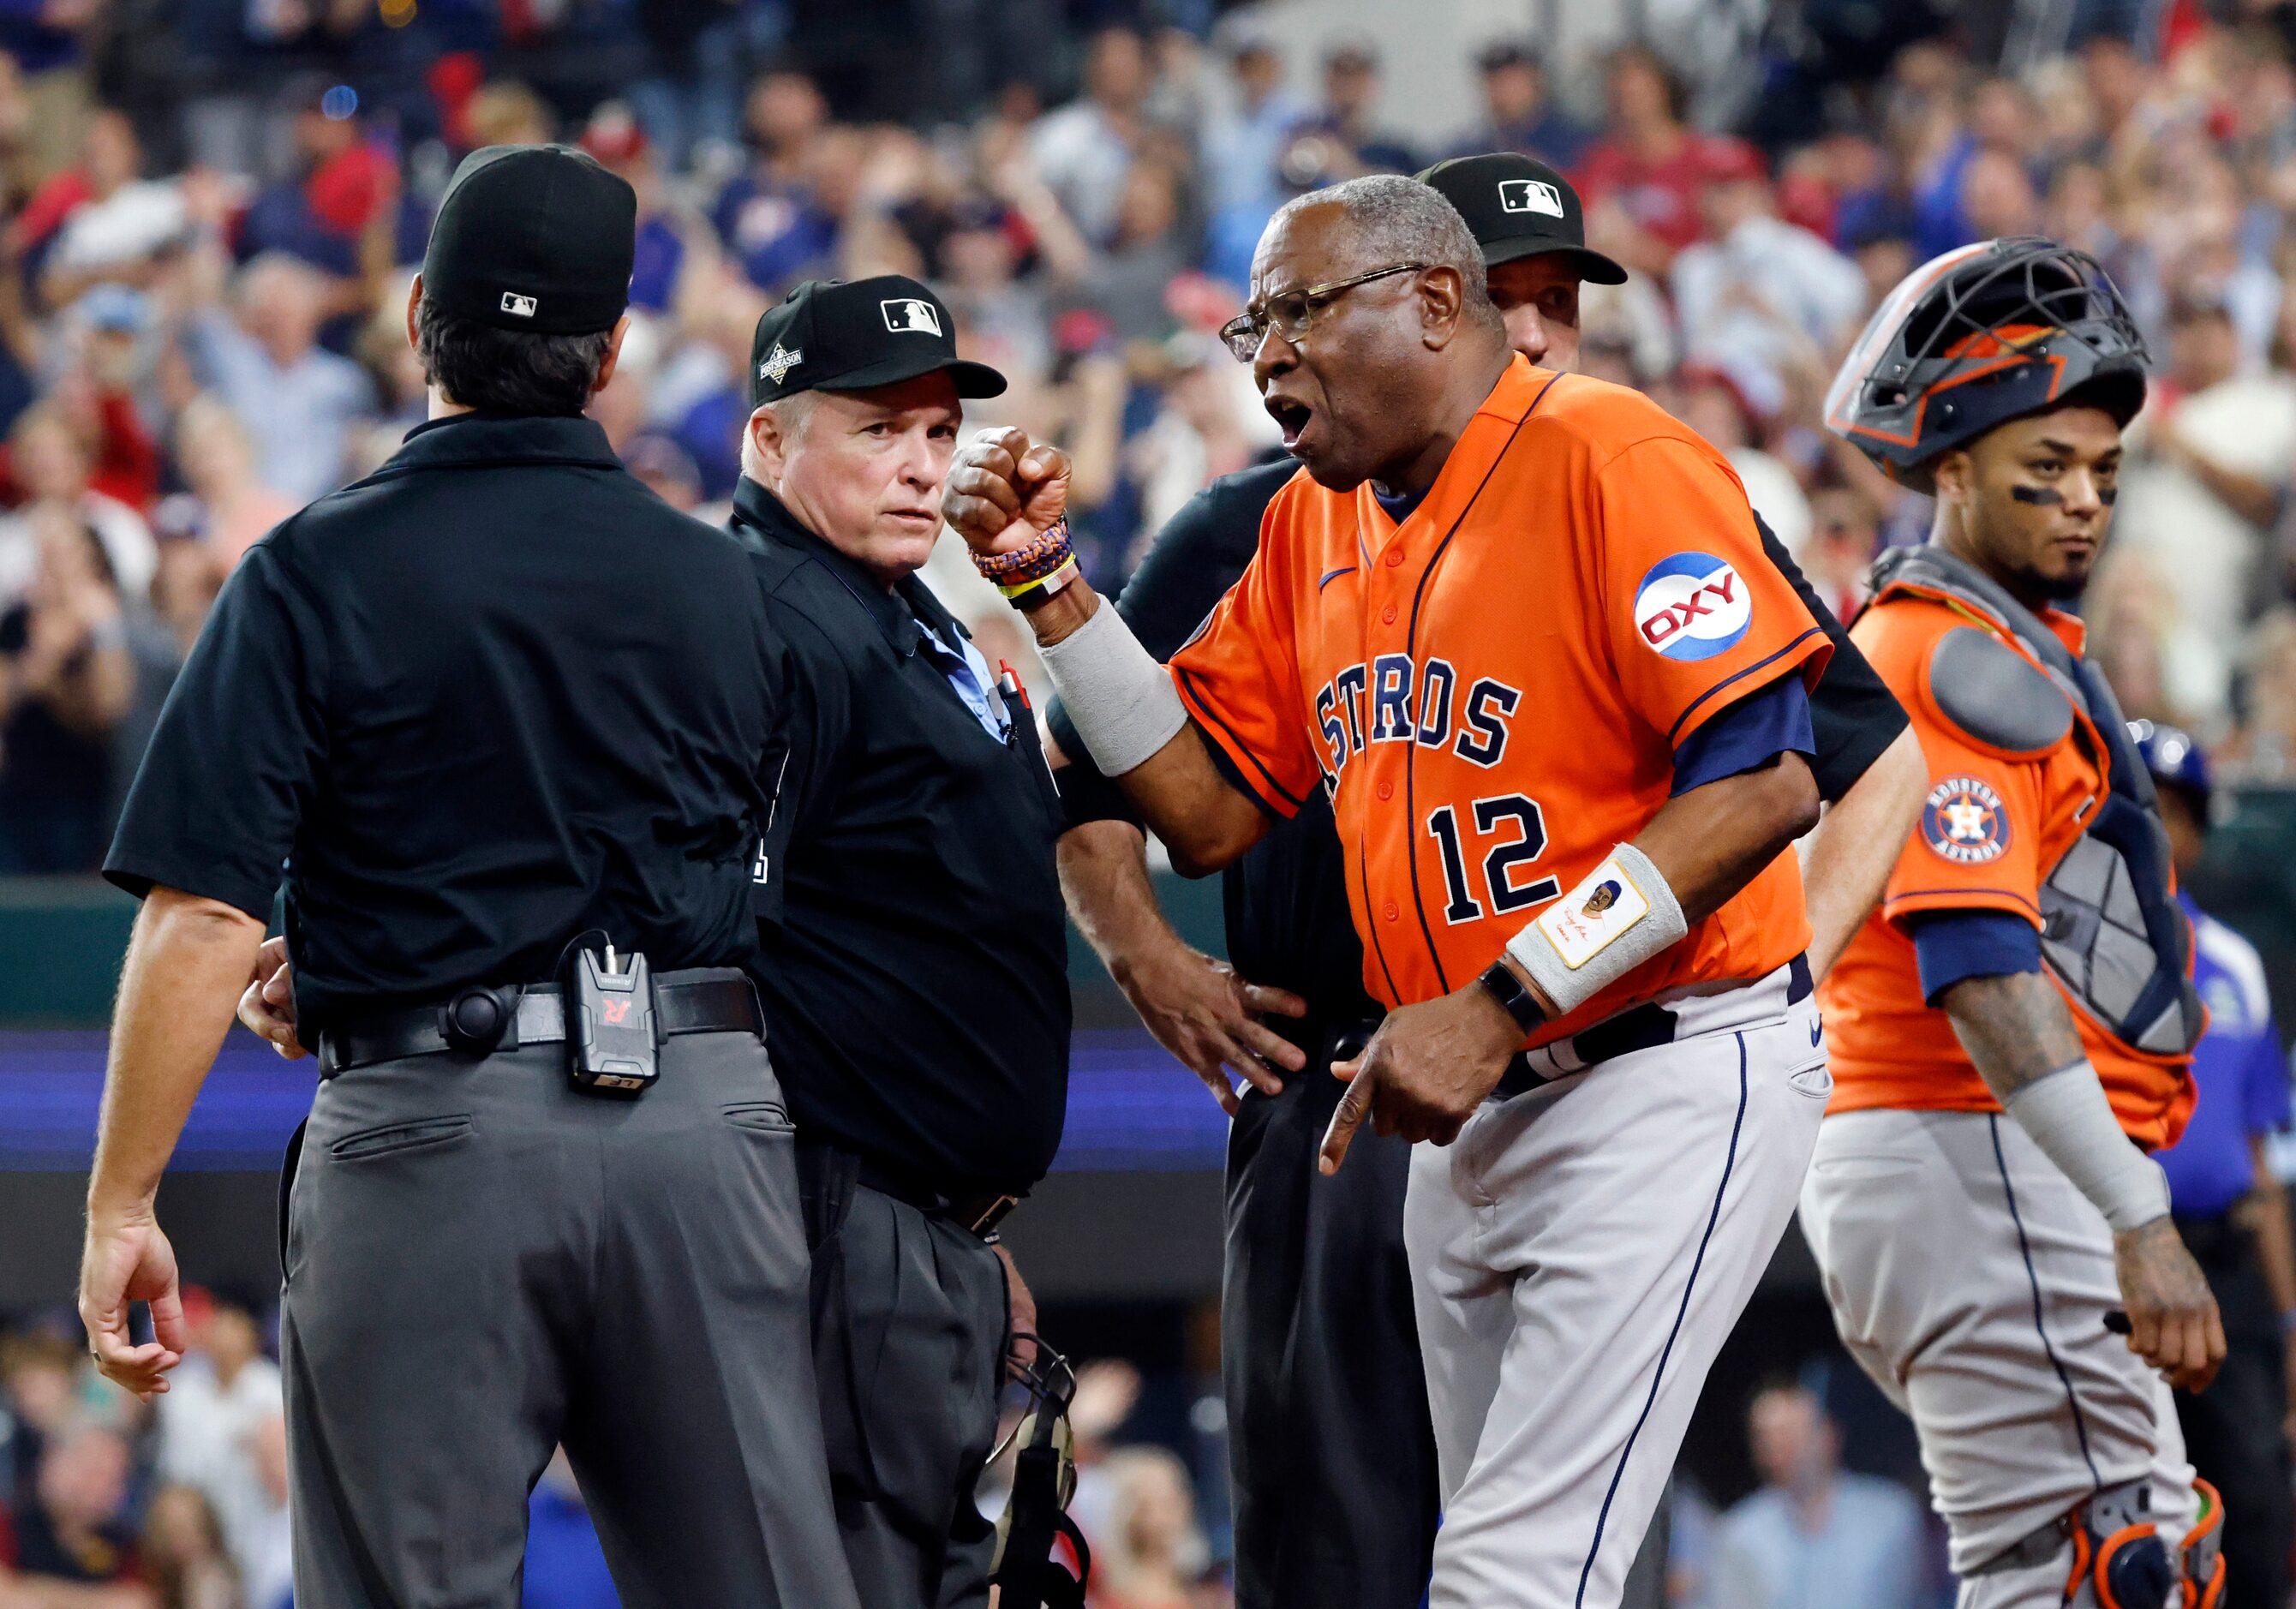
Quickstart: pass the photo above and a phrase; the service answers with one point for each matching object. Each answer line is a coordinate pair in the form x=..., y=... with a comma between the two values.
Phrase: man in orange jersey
x=1519, y=626
x=2011, y=1031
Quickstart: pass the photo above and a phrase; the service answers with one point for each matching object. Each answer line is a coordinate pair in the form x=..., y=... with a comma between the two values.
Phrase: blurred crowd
x=208, y=215
x=108, y=1504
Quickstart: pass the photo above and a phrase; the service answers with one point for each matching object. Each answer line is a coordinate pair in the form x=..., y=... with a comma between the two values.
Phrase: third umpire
x=493, y=707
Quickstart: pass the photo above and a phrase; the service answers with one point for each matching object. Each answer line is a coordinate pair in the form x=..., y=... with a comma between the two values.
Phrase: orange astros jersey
x=1494, y=689
x=1993, y=827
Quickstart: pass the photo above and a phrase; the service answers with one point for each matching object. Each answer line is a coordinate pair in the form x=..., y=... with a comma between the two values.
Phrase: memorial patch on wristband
x=1583, y=922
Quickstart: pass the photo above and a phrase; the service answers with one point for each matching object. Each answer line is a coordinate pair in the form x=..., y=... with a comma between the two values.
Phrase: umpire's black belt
x=702, y=1000
x=1644, y=1028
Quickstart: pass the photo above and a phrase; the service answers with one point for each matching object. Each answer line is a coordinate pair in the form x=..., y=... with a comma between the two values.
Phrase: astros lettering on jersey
x=1493, y=690
x=1993, y=825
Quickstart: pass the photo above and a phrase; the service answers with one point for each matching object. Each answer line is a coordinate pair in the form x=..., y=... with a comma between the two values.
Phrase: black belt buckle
x=479, y=1020
x=611, y=1042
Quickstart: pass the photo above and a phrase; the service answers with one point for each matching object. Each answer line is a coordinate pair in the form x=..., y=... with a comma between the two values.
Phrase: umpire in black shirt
x=493, y=707
x=912, y=952
x=1328, y=1441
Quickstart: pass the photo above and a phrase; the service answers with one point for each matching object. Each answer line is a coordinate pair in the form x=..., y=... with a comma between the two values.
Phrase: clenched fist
x=1003, y=492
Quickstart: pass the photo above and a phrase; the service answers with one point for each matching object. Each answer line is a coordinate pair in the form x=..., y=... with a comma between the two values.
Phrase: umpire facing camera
x=494, y=716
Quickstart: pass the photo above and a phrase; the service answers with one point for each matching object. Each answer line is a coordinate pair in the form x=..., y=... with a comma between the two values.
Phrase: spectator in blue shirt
x=1343, y=138
x=2229, y=1208
x=769, y=217
x=614, y=138
x=1518, y=115
x=1814, y=1537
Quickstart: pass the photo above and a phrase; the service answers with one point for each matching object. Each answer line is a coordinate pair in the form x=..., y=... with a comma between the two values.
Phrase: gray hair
x=790, y=414
x=1403, y=221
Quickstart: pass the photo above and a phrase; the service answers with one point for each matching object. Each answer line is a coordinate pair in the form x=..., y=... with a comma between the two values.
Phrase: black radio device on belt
x=610, y=1024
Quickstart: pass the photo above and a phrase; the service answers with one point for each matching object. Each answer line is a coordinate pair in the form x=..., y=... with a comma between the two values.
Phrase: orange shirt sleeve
x=1978, y=843
x=1697, y=615
x=1239, y=678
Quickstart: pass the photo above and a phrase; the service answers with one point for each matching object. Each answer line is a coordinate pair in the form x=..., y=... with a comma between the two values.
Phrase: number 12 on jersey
x=1526, y=844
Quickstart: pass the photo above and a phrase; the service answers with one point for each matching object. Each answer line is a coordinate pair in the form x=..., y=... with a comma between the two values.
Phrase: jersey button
x=1387, y=789
x=1387, y=614
x=1394, y=558
x=1391, y=913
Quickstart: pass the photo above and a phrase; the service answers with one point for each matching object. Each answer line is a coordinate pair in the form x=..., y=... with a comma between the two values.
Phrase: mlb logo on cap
x=522, y=307
x=1530, y=195
x=910, y=315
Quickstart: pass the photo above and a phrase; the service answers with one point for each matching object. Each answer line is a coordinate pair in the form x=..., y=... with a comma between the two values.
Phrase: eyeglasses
x=1293, y=311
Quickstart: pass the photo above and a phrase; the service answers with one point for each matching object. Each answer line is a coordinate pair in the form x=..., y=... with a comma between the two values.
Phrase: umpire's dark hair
x=511, y=372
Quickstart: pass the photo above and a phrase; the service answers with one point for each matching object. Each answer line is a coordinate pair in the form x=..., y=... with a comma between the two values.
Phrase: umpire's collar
x=461, y=439
x=902, y=614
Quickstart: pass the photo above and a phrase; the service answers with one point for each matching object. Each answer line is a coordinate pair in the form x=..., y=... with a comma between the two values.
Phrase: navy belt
x=1640, y=1028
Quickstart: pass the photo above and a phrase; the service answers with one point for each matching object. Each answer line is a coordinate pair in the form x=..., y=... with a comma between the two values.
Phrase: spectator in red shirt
x=1648, y=161
x=342, y=184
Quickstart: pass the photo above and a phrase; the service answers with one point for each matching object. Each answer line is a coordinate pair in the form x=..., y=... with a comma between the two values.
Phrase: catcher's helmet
x=1980, y=336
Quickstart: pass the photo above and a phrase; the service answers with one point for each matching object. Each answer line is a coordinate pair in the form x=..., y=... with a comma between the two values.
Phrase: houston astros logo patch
x=1692, y=606
x=1963, y=821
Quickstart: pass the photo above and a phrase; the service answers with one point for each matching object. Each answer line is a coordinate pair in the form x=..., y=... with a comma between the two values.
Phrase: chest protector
x=2112, y=932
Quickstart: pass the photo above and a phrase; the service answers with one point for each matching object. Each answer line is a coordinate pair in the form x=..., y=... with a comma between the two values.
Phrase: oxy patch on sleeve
x=1995, y=696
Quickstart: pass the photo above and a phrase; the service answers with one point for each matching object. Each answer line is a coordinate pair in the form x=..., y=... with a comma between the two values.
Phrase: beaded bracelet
x=1036, y=570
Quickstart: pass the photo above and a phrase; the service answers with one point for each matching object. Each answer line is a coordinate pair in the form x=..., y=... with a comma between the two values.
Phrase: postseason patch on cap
x=1963, y=821
x=1692, y=606
x=777, y=365
x=1530, y=195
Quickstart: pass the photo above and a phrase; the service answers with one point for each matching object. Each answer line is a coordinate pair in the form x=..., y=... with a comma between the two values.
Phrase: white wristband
x=2070, y=1119
x=1121, y=699
x=1620, y=916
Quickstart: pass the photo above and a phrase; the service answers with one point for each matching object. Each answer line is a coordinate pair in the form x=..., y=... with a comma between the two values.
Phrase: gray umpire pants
x=910, y=1313
x=482, y=1262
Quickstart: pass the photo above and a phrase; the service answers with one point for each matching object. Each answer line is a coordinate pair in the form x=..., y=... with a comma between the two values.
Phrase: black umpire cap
x=1517, y=206
x=831, y=336
x=533, y=237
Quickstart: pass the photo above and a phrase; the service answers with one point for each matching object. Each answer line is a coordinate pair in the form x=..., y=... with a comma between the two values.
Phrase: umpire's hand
x=267, y=1008
x=1424, y=1071
x=1208, y=1016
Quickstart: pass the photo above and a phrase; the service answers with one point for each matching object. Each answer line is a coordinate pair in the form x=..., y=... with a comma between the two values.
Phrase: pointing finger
x=1354, y=1107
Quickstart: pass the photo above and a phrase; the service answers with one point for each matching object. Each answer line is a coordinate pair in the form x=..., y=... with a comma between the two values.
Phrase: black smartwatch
x=1513, y=994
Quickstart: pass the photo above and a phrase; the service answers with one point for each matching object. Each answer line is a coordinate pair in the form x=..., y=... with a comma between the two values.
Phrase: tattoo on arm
x=2015, y=1027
